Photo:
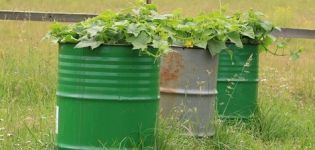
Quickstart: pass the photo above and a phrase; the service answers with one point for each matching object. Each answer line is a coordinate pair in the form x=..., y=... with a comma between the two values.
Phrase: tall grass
x=275, y=126
x=285, y=119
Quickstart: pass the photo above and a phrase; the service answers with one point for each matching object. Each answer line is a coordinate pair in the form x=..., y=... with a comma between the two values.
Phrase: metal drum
x=106, y=98
x=238, y=82
x=188, y=89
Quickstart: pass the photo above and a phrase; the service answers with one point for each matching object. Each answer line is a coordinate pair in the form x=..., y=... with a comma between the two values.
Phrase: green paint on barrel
x=238, y=82
x=106, y=98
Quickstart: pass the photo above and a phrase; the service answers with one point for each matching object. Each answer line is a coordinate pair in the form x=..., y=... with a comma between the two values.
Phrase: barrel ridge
x=107, y=73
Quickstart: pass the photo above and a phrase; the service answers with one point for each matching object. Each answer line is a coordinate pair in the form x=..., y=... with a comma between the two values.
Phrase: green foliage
x=214, y=30
x=141, y=27
x=294, y=55
x=144, y=27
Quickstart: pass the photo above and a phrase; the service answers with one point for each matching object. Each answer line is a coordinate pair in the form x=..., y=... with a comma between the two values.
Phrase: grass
x=286, y=93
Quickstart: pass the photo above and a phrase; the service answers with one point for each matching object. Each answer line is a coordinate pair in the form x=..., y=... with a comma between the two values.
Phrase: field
x=28, y=69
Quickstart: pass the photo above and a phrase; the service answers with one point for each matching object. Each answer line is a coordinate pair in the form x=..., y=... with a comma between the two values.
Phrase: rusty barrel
x=188, y=89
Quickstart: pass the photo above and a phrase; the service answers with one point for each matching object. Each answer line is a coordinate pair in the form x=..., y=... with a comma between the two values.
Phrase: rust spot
x=171, y=68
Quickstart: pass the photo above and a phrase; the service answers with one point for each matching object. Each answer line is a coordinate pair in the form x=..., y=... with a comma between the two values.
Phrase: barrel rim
x=172, y=46
x=188, y=91
x=237, y=80
x=101, y=97
x=73, y=147
x=123, y=45
x=228, y=44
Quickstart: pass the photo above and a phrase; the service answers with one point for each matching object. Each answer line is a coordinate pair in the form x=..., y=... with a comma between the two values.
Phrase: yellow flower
x=189, y=43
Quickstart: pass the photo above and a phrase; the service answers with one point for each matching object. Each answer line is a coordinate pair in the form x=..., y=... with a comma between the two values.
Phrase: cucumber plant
x=143, y=27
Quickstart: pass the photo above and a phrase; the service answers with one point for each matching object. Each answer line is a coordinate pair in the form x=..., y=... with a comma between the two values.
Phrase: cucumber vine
x=143, y=28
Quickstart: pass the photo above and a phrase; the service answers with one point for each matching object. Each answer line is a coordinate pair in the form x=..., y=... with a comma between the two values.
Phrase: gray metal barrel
x=188, y=89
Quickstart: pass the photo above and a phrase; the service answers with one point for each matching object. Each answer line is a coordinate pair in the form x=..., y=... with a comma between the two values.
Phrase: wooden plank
x=76, y=17
x=43, y=16
x=295, y=33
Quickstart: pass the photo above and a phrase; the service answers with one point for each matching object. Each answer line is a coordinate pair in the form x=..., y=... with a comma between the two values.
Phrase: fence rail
x=76, y=17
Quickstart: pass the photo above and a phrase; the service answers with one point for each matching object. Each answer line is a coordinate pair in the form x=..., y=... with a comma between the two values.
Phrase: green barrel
x=238, y=82
x=106, y=98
